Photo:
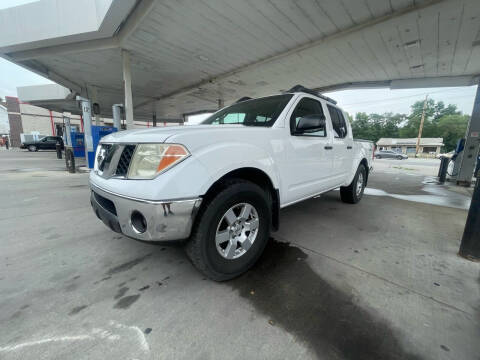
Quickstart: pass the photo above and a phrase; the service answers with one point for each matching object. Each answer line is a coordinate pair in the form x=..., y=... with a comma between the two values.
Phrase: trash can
x=442, y=171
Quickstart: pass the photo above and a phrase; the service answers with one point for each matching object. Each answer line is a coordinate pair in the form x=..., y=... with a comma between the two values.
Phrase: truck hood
x=162, y=134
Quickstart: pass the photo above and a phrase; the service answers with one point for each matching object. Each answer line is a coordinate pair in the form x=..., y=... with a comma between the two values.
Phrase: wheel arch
x=364, y=162
x=256, y=176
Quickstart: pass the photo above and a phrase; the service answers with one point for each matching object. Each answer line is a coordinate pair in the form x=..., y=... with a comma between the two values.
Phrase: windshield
x=256, y=112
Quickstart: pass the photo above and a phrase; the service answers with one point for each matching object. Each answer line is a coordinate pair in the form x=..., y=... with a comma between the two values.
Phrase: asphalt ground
x=377, y=280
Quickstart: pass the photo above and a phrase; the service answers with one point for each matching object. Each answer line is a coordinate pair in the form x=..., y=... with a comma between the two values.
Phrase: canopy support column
x=117, y=116
x=94, y=98
x=68, y=129
x=87, y=126
x=472, y=145
x=127, y=85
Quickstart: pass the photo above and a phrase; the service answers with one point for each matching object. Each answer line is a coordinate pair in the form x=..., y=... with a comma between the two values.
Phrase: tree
x=451, y=128
x=433, y=112
x=375, y=126
x=440, y=121
x=361, y=127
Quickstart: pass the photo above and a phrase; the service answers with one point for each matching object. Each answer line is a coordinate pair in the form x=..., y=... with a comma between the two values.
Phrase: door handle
x=349, y=148
x=327, y=147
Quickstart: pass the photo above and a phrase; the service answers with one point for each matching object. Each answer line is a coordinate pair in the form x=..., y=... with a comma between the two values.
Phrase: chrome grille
x=124, y=161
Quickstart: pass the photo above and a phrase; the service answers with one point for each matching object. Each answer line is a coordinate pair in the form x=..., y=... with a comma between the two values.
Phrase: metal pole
x=154, y=119
x=51, y=122
x=127, y=84
x=472, y=145
x=117, y=116
x=68, y=130
x=420, y=130
x=94, y=96
x=87, y=125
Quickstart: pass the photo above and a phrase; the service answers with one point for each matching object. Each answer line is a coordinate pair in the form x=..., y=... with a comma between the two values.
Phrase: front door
x=309, y=155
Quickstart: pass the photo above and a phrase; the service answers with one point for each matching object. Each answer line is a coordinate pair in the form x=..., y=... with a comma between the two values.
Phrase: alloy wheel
x=237, y=231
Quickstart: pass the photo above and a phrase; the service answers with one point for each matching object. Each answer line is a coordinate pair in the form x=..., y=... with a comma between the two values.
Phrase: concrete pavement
x=376, y=280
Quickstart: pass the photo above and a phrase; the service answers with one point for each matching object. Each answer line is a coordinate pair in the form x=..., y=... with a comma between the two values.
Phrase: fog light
x=139, y=223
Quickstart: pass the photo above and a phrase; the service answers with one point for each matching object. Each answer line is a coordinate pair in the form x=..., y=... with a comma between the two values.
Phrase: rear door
x=342, y=145
x=51, y=142
x=308, y=167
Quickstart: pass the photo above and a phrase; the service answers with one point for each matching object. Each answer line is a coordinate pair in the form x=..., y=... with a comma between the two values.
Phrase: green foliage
x=440, y=121
x=451, y=128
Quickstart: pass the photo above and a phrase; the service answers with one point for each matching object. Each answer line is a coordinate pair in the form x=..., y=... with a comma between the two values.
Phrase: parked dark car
x=45, y=143
x=390, y=154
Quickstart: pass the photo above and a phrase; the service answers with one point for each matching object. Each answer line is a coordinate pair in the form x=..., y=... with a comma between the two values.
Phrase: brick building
x=24, y=118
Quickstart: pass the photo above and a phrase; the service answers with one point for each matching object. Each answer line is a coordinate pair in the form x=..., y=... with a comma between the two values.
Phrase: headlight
x=149, y=160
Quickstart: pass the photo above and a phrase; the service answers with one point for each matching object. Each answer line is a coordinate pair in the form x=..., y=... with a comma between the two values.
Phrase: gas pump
x=93, y=133
x=456, y=159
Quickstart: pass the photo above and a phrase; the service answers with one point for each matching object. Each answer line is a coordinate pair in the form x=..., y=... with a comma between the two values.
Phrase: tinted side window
x=306, y=106
x=338, y=122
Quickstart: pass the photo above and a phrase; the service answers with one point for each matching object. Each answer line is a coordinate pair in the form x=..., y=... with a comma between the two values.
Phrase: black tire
x=399, y=158
x=201, y=247
x=348, y=193
x=378, y=157
x=32, y=148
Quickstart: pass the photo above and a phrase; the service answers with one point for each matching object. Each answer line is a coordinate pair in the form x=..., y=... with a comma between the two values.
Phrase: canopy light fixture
x=417, y=67
x=412, y=44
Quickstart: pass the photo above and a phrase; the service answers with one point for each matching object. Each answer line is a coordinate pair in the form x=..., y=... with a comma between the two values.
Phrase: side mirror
x=310, y=123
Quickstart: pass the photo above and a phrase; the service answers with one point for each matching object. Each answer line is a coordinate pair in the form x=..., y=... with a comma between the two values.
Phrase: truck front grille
x=124, y=161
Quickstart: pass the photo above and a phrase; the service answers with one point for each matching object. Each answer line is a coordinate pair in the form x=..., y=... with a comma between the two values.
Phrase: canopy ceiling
x=188, y=54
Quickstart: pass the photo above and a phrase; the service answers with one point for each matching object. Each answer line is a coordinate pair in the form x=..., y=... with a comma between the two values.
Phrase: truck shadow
x=287, y=291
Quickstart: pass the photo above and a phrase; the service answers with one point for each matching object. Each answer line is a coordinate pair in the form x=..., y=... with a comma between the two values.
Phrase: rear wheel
x=231, y=230
x=32, y=148
x=378, y=157
x=353, y=193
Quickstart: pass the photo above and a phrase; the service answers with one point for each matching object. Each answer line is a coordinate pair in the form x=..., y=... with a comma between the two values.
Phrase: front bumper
x=165, y=220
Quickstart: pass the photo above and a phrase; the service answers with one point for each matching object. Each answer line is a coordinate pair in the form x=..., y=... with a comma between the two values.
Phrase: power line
x=399, y=97
x=386, y=101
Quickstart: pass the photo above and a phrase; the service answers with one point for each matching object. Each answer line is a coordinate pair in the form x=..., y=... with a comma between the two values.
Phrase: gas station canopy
x=187, y=56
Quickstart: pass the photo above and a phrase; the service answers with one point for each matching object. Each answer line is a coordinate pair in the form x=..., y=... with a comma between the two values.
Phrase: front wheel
x=353, y=193
x=399, y=158
x=378, y=157
x=231, y=230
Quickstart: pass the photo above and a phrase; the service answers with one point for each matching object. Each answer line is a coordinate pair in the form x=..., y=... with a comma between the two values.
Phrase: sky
x=4, y=4
x=397, y=101
x=353, y=101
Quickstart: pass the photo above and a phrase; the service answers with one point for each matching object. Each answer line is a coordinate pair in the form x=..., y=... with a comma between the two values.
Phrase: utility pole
x=421, y=126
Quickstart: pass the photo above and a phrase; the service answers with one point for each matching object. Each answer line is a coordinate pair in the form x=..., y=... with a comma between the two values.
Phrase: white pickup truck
x=219, y=186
